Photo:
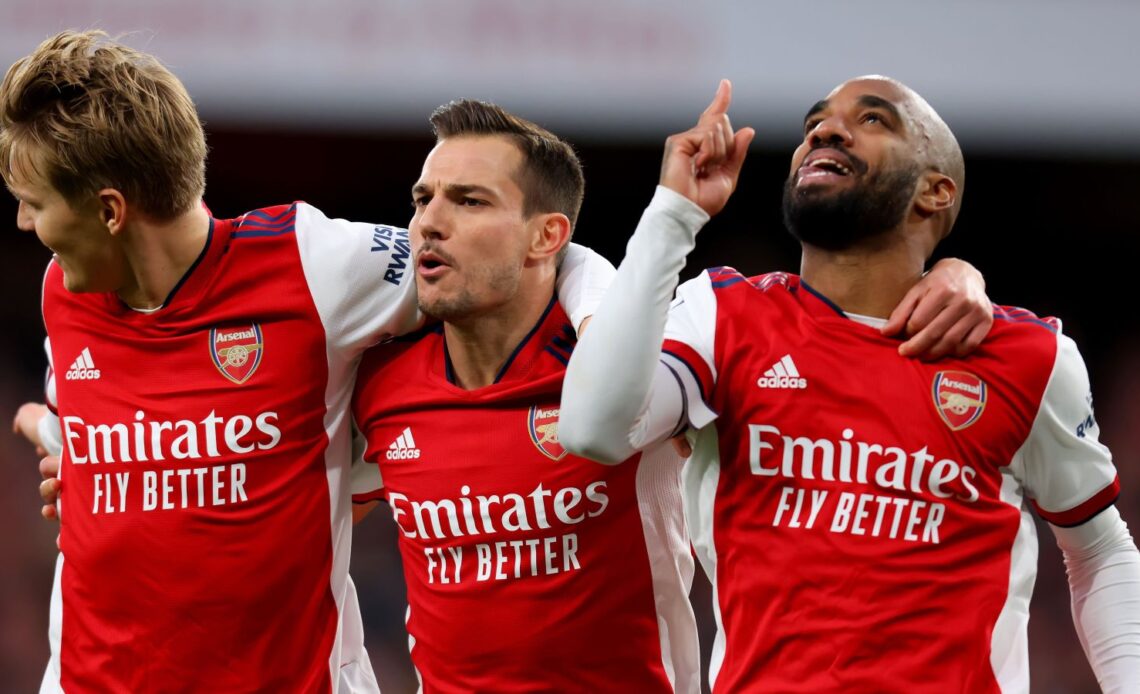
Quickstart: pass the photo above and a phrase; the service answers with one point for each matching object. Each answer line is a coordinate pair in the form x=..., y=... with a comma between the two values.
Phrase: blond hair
x=88, y=113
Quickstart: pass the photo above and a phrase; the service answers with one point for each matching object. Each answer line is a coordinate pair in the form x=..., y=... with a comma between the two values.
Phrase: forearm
x=612, y=375
x=1104, y=578
x=583, y=279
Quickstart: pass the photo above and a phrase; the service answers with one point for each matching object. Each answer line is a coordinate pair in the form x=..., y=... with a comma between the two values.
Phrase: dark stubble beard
x=498, y=281
x=851, y=217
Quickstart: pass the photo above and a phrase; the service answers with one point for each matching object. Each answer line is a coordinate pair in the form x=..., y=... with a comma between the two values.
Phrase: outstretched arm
x=618, y=397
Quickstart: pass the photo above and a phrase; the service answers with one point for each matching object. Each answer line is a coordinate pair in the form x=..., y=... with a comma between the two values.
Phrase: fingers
x=720, y=103
x=936, y=338
x=49, y=490
x=681, y=445
x=974, y=338
x=49, y=512
x=897, y=321
x=49, y=467
x=716, y=141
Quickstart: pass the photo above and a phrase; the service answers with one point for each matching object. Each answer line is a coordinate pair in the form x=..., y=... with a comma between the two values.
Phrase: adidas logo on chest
x=404, y=447
x=783, y=374
x=83, y=368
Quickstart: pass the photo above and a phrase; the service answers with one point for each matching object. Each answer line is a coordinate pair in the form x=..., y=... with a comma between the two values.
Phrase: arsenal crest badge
x=236, y=350
x=959, y=397
x=542, y=423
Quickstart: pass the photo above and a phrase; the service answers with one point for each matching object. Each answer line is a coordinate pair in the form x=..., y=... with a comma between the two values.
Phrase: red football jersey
x=527, y=569
x=205, y=502
x=864, y=518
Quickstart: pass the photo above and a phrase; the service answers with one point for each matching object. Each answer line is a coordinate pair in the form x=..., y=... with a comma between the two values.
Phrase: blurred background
x=328, y=102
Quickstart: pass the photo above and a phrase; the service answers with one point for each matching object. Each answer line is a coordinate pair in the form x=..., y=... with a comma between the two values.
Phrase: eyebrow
x=816, y=108
x=454, y=189
x=871, y=101
x=866, y=100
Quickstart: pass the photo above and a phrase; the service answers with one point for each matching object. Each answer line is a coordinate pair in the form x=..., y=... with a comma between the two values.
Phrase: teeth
x=831, y=162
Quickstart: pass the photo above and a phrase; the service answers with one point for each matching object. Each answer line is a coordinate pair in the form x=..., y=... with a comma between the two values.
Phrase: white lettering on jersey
x=845, y=460
x=144, y=440
x=478, y=515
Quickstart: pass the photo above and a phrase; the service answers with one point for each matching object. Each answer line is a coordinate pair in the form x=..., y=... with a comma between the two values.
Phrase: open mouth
x=825, y=165
x=431, y=263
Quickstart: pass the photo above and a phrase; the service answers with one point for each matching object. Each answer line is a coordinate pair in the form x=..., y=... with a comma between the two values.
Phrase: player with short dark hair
x=527, y=569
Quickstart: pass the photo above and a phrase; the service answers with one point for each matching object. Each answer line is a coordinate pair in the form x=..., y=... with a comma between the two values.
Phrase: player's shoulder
x=1023, y=342
x=1022, y=325
x=725, y=277
x=276, y=221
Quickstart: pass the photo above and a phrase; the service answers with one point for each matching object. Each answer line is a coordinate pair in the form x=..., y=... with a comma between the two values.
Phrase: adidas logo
x=404, y=447
x=83, y=369
x=783, y=374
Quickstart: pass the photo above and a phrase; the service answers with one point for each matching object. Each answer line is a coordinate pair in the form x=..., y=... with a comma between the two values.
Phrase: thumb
x=740, y=143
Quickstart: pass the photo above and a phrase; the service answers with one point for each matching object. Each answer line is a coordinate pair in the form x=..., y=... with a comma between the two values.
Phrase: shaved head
x=936, y=147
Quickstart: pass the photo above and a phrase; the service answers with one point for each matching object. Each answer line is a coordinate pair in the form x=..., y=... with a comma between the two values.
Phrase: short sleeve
x=1066, y=471
x=361, y=277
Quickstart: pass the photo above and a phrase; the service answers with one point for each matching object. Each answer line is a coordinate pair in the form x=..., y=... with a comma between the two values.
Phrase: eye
x=809, y=125
x=873, y=117
x=420, y=200
x=472, y=202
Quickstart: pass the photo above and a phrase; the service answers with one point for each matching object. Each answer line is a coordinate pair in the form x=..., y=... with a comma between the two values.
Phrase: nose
x=830, y=130
x=431, y=219
x=24, y=221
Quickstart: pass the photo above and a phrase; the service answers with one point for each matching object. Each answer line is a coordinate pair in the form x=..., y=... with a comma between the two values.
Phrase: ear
x=936, y=192
x=112, y=210
x=551, y=234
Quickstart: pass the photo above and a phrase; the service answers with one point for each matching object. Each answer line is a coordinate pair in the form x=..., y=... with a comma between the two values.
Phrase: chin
x=74, y=284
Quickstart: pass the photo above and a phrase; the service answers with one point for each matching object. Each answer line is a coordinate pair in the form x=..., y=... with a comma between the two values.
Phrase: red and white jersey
x=206, y=490
x=864, y=518
x=527, y=569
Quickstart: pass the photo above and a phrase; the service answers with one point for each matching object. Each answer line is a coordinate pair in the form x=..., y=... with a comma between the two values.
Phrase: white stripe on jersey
x=670, y=565
x=1009, y=644
x=699, y=478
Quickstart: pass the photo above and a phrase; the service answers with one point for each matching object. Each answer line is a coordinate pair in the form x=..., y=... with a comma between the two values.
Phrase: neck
x=480, y=346
x=866, y=281
x=158, y=255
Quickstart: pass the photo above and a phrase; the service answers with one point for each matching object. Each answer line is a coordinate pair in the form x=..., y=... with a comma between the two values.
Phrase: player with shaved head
x=865, y=519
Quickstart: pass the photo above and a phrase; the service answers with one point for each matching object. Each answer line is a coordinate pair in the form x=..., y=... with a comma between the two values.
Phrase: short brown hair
x=94, y=114
x=551, y=177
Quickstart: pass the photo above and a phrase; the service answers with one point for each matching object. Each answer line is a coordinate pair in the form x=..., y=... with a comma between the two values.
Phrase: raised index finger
x=720, y=103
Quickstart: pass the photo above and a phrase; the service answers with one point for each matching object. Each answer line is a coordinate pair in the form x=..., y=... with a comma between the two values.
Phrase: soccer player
x=207, y=365
x=204, y=369
x=527, y=569
x=865, y=519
